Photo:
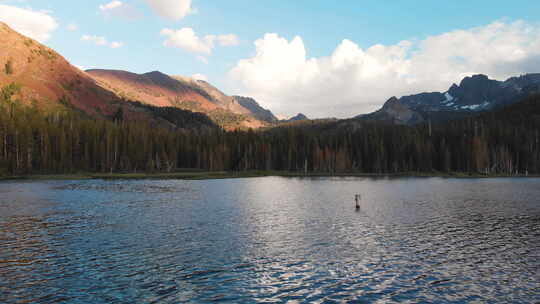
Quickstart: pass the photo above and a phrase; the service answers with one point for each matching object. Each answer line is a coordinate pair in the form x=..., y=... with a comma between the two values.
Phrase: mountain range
x=48, y=79
x=175, y=101
x=161, y=90
x=473, y=95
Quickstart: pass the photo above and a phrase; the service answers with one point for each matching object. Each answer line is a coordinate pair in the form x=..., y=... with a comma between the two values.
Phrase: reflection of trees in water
x=124, y=186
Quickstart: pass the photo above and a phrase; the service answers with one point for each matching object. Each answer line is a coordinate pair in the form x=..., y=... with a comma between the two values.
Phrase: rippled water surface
x=270, y=240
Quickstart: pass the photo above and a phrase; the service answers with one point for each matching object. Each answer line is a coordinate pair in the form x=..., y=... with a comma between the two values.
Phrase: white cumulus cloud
x=100, y=40
x=172, y=9
x=111, y=5
x=35, y=24
x=120, y=9
x=186, y=38
x=354, y=80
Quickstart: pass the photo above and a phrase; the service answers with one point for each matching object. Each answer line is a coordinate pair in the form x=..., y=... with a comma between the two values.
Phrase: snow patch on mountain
x=476, y=107
x=448, y=97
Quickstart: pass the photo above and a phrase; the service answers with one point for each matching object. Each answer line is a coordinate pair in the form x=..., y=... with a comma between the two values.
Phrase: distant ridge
x=297, y=117
x=162, y=90
x=474, y=94
x=257, y=111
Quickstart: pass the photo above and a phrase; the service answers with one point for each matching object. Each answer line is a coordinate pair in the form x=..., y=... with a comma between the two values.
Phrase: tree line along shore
x=504, y=142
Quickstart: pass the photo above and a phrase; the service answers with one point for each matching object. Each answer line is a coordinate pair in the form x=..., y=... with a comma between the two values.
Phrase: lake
x=270, y=240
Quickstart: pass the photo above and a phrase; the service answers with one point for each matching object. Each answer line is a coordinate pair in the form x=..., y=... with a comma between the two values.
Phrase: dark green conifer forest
x=505, y=141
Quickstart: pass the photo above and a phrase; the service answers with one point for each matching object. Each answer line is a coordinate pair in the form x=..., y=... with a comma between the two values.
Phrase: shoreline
x=210, y=175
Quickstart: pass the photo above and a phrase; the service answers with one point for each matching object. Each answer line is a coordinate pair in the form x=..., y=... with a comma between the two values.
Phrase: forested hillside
x=50, y=82
x=32, y=142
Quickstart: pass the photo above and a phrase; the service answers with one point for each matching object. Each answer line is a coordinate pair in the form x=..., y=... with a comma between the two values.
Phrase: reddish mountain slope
x=158, y=89
x=218, y=97
x=154, y=88
x=52, y=83
x=46, y=77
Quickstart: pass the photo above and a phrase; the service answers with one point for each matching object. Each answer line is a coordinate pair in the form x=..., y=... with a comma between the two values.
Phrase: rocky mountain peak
x=393, y=101
x=474, y=94
x=156, y=74
x=474, y=79
x=298, y=117
x=523, y=81
x=256, y=109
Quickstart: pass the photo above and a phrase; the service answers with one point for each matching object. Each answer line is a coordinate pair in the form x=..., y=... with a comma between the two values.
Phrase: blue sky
x=321, y=27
